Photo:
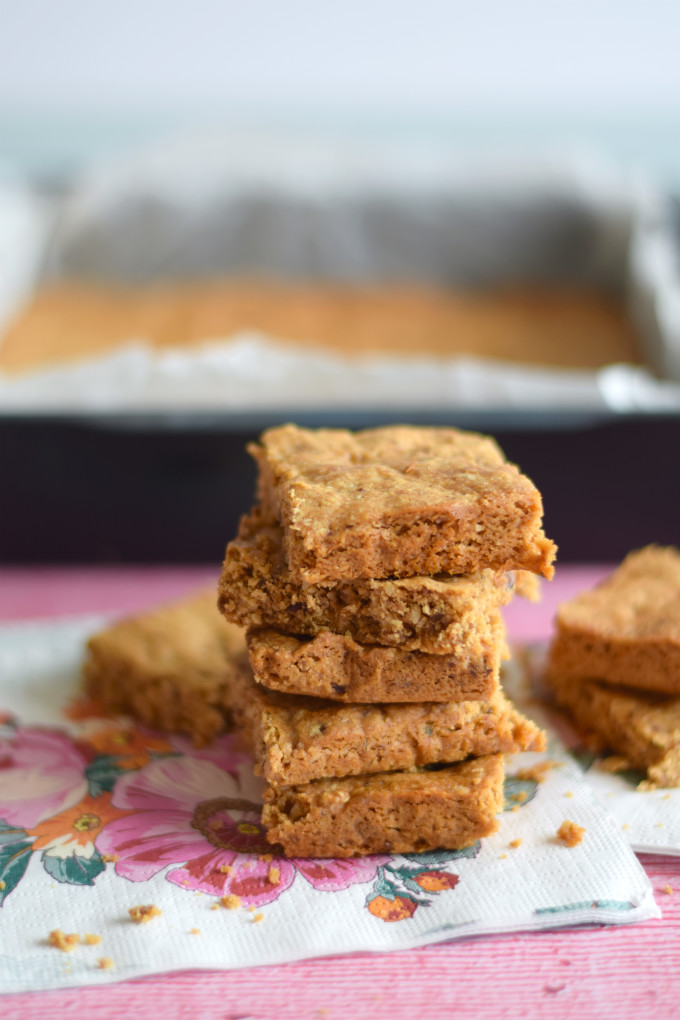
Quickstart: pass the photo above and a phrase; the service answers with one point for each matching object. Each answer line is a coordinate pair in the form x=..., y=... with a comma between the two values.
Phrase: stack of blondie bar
x=614, y=664
x=370, y=578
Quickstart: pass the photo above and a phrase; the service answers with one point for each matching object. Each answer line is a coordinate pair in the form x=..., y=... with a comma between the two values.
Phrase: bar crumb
x=570, y=834
x=109, y=859
x=538, y=771
x=2, y=885
x=231, y=902
x=226, y=869
x=274, y=876
x=668, y=890
x=105, y=963
x=144, y=914
x=90, y=939
x=515, y=843
x=257, y=918
x=194, y=931
x=60, y=940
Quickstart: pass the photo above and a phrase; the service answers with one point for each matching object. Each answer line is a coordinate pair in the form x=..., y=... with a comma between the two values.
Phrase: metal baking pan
x=165, y=480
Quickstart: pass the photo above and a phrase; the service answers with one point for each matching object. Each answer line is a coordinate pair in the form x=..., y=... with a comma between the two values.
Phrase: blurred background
x=215, y=217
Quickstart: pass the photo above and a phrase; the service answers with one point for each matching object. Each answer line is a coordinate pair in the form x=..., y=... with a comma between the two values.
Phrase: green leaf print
x=518, y=792
x=15, y=853
x=74, y=870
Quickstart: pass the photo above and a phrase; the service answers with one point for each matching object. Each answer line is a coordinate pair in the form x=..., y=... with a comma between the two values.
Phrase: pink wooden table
x=591, y=973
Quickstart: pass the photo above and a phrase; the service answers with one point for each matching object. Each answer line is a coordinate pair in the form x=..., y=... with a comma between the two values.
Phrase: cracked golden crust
x=336, y=667
x=398, y=501
x=443, y=614
x=627, y=630
x=169, y=668
x=297, y=739
x=398, y=812
x=643, y=728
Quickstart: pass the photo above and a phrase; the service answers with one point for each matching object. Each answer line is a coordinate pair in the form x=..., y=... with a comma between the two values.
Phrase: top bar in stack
x=398, y=501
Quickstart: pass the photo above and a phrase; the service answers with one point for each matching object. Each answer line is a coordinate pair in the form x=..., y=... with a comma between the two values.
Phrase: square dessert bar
x=641, y=727
x=170, y=668
x=395, y=812
x=398, y=501
x=440, y=614
x=297, y=739
x=627, y=630
x=337, y=667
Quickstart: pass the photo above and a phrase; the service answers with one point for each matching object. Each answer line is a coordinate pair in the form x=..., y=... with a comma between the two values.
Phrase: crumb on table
x=91, y=940
x=274, y=876
x=105, y=963
x=570, y=834
x=194, y=931
x=226, y=869
x=145, y=913
x=257, y=918
x=668, y=890
x=60, y=940
x=538, y=771
x=515, y=843
x=109, y=859
x=2, y=885
x=231, y=901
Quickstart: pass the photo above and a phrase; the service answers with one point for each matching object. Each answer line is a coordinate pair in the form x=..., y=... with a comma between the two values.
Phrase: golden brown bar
x=641, y=727
x=170, y=668
x=396, y=812
x=627, y=630
x=336, y=667
x=398, y=501
x=297, y=740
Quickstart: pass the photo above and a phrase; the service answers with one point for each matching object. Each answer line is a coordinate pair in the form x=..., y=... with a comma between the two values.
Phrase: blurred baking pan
x=140, y=457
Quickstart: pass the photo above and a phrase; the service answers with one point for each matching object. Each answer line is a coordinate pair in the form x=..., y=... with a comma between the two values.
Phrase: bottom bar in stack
x=388, y=812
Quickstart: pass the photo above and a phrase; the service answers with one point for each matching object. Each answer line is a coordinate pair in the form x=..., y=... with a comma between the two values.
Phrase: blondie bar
x=170, y=668
x=441, y=614
x=395, y=812
x=642, y=727
x=337, y=667
x=398, y=501
x=297, y=739
x=627, y=630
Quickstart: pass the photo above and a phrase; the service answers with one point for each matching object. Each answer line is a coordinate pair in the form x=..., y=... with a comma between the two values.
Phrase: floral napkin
x=649, y=819
x=98, y=816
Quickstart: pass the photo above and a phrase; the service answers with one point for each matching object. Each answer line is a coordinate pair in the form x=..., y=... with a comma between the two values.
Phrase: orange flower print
x=72, y=832
x=403, y=885
x=132, y=746
x=436, y=881
x=397, y=909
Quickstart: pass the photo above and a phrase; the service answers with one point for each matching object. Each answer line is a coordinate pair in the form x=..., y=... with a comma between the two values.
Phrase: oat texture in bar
x=336, y=667
x=170, y=668
x=297, y=740
x=398, y=501
x=627, y=630
x=395, y=812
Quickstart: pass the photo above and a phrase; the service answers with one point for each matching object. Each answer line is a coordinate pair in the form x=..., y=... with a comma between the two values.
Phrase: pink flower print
x=190, y=812
x=41, y=774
